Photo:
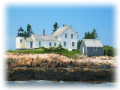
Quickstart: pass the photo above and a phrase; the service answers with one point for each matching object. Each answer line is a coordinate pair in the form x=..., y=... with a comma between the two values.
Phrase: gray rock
x=69, y=66
x=104, y=66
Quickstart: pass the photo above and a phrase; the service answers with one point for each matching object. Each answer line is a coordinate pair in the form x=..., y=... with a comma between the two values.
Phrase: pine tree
x=55, y=27
x=29, y=30
x=92, y=35
x=88, y=35
x=25, y=34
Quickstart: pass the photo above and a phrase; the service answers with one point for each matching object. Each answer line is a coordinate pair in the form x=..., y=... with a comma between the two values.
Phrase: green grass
x=69, y=54
x=34, y=51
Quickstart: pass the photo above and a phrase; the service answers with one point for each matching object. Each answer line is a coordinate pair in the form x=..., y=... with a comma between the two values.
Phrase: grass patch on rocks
x=56, y=50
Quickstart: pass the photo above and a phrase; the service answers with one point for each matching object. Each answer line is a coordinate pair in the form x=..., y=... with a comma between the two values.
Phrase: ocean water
x=44, y=83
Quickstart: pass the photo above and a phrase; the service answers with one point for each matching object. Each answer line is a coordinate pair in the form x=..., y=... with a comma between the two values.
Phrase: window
x=50, y=44
x=66, y=35
x=39, y=43
x=20, y=40
x=72, y=43
x=94, y=49
x=54, y=44
x=64, y=43
x=71, y=35
x=31, y=44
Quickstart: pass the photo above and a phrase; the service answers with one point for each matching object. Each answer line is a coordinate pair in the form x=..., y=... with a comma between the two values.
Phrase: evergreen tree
x=29, y=30
x=25, y=34
x=55, y=27
x=92, y=35
x=88, y=35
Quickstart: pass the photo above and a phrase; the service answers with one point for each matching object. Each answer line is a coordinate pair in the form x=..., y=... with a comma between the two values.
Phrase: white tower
x=20, y=40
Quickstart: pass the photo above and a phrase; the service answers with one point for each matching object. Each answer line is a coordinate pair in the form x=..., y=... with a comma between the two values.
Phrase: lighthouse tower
x=20, y=40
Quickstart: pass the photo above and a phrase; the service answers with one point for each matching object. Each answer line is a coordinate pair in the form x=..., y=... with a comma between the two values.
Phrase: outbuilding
x=91, y=47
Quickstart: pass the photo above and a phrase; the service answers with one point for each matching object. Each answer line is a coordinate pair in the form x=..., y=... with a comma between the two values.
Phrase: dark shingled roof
x=20, y=29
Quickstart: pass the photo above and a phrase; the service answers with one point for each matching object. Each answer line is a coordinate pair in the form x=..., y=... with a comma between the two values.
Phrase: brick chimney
x=43, y=32
x=63, y=25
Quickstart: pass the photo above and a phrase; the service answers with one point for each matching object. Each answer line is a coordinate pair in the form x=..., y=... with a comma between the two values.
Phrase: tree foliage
x=109, y=51
x=78, y=44
x=88, y=35
x=29, y=31
x=92, y=35
x=60, y=46
x=25, y=34
x=55, y=27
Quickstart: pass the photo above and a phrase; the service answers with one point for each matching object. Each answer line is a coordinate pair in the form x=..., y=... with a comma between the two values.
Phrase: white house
x=66, y=35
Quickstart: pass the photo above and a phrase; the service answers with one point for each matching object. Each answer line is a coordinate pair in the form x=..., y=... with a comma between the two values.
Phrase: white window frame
x=94, y=49
x=73, y=44
x=20, y=40
x=55, y=44
x=71, y=35
x=64, y=43
x=65, y=35
x=50, y=44
x=39, y=43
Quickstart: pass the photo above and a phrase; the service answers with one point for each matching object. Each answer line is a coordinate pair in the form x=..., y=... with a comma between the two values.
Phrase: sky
x=81, y=18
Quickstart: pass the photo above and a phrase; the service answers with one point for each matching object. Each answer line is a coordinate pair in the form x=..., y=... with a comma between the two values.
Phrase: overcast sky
x=83, y=15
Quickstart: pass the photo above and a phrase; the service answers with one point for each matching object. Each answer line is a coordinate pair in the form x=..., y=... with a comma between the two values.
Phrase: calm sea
x=51, y=85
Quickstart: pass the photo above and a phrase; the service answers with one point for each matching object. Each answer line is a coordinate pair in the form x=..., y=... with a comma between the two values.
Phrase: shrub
x=60, y=46
x=51, y=49
x=42, y=47
x=109, y=51
x=65, y=50
x=46, y=49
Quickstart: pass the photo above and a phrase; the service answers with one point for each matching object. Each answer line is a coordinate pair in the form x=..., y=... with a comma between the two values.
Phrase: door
x=83, y=50
x=31, y=44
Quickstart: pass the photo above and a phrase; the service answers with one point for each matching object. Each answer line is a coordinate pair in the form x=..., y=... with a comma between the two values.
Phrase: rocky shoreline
x=55, y=67
x=64, y=74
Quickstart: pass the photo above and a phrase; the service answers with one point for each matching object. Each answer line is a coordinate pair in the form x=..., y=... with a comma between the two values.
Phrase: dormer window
x=71, y=35
x=66, y=35
x=20, y=40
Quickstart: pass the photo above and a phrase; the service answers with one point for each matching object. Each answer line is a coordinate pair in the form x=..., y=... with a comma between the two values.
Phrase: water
x=44, y=83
